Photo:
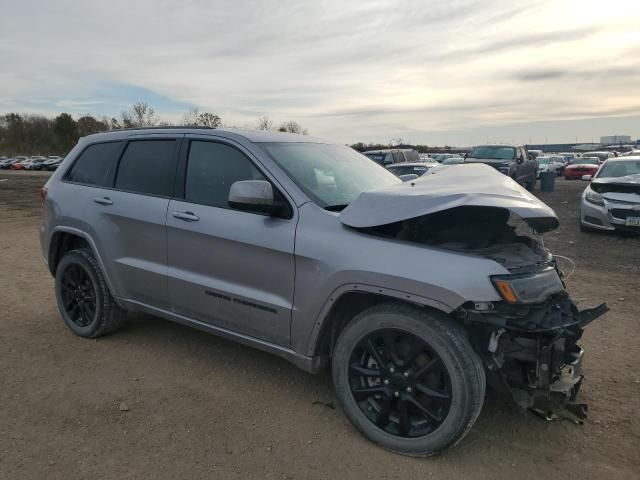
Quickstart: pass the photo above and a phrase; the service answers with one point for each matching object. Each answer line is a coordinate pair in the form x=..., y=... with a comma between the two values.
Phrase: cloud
x=346, y=70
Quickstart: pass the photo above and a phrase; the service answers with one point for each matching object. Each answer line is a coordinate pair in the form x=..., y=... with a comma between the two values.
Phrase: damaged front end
x=532, y=353
x=529, y=339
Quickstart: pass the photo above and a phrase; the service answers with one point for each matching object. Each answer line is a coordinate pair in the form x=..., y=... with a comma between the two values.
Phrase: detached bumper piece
x=532, y=353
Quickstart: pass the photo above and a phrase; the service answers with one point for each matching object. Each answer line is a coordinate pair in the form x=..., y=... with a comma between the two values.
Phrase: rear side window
x=148, y=166
x=211, y=170
x=96, y=165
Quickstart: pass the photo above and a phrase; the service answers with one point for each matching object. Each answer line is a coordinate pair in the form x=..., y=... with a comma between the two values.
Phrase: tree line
x=364, y=147
x=29, y=134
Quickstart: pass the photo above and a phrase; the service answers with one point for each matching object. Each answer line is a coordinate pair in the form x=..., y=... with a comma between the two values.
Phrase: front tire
x=84, y=300
x=408, y=379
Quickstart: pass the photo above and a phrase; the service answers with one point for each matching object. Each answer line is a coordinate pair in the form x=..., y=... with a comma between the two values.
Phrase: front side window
x=331, y=175
x=96, y=165
x=148, y=167
x=211, y=170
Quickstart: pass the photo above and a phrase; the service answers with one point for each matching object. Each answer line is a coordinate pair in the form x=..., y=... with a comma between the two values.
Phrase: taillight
x=43, y=195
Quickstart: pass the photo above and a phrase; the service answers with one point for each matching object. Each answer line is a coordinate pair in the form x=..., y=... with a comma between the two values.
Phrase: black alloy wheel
x=78, y=295
x=400, y=383
x=84, y=300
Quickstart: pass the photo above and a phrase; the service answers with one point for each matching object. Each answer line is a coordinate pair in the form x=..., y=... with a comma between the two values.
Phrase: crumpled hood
x=444, y=188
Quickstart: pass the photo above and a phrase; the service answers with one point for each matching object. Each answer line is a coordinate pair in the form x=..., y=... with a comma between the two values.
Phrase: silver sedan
x=612, y=199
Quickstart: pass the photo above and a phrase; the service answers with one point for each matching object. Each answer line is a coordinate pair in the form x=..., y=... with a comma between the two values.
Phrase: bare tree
x=211, y=120
x=190, y=118
x=292, y=126
x=140, y=115
x=264, y=123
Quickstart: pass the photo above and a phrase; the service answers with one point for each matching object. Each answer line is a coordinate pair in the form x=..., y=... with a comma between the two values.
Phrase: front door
x=230, y=268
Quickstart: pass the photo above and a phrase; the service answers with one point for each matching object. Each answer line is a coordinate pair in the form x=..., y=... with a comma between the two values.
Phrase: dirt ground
x=203, y=407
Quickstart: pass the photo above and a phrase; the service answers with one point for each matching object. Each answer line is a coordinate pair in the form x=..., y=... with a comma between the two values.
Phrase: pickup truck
x=513, y=161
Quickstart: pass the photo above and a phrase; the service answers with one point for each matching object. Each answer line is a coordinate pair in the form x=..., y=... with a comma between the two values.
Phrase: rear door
x=230, y=268
x=127, y=218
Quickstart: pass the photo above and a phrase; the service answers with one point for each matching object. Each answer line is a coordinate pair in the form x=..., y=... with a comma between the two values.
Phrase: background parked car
x=453, y=161
x=7, y=162
x=559, y=162
x=389, y=156
x=441, y=157
x=602, y=156
x=52, y=163
x=580, y=167
x=546, y=164
x=511, y=160
x=35, y=163
x=412, y=168
x=535, y=153
x=612, y=199
x=20, y=163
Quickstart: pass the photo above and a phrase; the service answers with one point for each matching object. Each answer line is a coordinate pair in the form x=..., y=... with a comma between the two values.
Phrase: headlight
x=528, y=288
x=594, y=197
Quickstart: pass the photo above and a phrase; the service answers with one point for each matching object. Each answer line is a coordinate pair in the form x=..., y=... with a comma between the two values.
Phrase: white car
x=547, y=164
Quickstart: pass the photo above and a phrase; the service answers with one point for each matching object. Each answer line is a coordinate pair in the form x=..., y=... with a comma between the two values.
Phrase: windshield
x=493, y=153
x=331, y=175
x=453, y=161
x=619, y=168
x=543, y=160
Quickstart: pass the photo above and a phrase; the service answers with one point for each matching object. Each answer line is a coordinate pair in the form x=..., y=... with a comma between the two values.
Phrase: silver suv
x=417, y=294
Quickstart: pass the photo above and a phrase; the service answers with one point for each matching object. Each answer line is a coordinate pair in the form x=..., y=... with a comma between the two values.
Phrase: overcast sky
x=434, y=72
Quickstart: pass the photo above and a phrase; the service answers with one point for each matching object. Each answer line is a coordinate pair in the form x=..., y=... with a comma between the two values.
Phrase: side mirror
x=586, y=178
x=254, y=196
x=520, y=159
x=466, y=155
x=408, y=177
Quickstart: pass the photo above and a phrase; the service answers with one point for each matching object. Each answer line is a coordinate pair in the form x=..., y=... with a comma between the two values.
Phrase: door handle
x=103, y=200
x=186, y=216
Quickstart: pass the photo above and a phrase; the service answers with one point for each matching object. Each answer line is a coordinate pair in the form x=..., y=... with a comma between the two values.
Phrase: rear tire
x=84, y=300
x=404, y=409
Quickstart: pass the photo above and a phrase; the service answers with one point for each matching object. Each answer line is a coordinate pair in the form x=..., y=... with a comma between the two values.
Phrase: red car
x=582, y=166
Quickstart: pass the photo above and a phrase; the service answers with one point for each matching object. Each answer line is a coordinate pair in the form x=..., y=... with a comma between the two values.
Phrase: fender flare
x=390, y=293
x=92, y=245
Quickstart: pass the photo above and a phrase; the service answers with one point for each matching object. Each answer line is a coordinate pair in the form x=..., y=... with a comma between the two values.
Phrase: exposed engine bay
x=486, y=231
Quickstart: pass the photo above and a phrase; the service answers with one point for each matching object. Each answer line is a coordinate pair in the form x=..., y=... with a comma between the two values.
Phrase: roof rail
x=164, y=127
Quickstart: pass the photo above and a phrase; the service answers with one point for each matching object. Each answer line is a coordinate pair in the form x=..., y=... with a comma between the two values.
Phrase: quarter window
x=96, y=165
x=211, y=170
x=148, y=166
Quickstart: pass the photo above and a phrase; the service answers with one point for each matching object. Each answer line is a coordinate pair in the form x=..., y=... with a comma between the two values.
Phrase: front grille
x=622, y=214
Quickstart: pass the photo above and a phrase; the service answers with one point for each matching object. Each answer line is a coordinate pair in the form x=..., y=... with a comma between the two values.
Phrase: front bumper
x=609, y=217
x=532, y=352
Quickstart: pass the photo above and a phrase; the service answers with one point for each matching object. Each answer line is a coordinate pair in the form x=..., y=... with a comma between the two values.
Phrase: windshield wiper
x=336, y=208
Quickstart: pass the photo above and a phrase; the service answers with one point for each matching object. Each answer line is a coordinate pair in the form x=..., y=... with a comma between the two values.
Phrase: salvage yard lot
x=159, y=400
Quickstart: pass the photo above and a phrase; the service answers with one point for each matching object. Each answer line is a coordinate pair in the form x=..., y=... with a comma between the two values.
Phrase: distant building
x=615, y=139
